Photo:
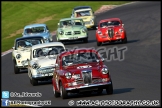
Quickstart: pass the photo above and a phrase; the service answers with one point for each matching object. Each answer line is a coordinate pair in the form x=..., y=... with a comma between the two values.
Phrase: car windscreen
x=79, y=58
x=39, y=29
x=83, y=13
x=72, y=22
x=28, y=42
x=47, y=51
x=109, y=23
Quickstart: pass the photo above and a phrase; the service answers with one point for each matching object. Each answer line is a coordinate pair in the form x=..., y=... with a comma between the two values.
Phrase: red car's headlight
x=68, y=75
x=105, y=71
x=99, y=32
x=121, y=30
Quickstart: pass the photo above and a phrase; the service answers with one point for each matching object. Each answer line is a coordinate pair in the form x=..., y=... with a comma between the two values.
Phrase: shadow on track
x=78, y=42
x=116, y=43
x=22, y=71
x=94, y=94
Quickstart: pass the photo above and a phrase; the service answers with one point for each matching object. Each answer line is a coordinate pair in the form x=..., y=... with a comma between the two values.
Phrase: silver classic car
x=21, y=51
x=37, y=29
x=42, y=61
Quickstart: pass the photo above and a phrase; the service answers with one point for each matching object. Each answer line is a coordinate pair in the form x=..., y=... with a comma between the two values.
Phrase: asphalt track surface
x=137, y=77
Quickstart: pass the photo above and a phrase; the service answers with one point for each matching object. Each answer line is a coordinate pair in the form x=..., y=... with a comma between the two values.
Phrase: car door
x=56, y=73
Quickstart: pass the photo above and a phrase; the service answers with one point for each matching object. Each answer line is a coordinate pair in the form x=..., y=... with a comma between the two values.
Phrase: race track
x=137, y=77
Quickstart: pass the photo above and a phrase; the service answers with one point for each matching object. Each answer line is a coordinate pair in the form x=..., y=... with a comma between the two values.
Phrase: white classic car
x=21, y=51
x=42, y=61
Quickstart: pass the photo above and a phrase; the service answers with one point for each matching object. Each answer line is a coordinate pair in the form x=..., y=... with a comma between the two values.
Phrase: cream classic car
x=87, y=14
x=21, y=51
x=42, y=61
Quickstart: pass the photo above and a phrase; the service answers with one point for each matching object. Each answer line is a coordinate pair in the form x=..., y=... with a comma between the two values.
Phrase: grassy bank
x=15, y=15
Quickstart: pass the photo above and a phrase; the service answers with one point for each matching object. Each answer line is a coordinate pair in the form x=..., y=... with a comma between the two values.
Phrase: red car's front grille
x=79, y=82
x=87, y=76
x=94, y=81
x=111, y=33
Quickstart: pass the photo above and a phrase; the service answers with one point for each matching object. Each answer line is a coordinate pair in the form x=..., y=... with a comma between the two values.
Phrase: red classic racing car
x=80, y=71
x=110, y=30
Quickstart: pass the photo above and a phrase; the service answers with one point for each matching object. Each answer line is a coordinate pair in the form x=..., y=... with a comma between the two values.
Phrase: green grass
x=17, y=14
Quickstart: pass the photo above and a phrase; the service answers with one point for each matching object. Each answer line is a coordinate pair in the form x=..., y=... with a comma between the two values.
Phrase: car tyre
x=99, y=91
x=94, y=27
x=16, y=69
x=30, y=81
x=109, y=89
x=124, y=40
x=57, y=39
x=34, y=82
x=51, y=40
x=63, y=92
x=87, y=93
x=56, y=94
x=64, y=42
x=85, y=40
x=99, y=43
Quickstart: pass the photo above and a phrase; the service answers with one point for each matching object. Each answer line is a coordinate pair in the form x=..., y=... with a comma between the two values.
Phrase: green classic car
x=71, y=29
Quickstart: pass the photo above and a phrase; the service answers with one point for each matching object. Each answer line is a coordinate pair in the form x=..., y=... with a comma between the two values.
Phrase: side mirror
x=13, y=47
x=47, y=30
x=71, y=15
x=102, y=59
x=66, y=49
x=58, y=24
x=56, y=65
x=62, y=50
